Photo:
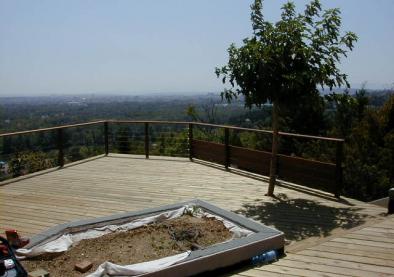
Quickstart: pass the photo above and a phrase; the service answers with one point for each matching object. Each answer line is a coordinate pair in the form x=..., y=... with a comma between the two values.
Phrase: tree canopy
x=290, y=58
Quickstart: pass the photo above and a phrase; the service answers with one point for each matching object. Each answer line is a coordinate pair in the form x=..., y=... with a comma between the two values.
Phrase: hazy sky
x=138, y=46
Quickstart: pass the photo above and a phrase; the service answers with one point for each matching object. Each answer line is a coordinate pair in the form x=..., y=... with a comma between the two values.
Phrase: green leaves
x=288, y=11
x=288, y=59
x=312, y=10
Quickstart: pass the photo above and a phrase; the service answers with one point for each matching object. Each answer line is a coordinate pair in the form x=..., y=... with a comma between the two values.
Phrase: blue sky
x=83, y=46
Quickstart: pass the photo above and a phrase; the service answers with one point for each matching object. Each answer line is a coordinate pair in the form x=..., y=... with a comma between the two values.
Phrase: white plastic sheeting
x=63, y=243
x=137, y=269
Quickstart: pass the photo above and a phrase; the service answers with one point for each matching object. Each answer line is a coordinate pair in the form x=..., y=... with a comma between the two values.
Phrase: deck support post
x=190, y=141
x=60, y=146
x=106, y=146
x=390, y=206
x=338, y=164
x=227, y=147
x=146, y=140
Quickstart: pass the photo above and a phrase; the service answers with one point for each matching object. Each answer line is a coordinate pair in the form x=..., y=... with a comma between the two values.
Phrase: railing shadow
x=154, y=158
x=302, y=218
x=49, y=170
x=299, y=188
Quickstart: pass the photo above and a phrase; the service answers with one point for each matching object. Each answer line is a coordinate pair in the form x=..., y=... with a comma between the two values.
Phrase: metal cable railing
x=301, y=158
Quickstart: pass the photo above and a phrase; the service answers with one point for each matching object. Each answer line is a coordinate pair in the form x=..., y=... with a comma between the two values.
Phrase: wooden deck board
x=283, y=269
x=350, y=255
x=120, y=183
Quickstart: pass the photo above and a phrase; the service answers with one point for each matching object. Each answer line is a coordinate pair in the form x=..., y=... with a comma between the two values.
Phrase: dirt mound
x=147, y=243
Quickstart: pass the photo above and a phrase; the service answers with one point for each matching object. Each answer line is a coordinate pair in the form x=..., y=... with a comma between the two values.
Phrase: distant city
x=80, y=99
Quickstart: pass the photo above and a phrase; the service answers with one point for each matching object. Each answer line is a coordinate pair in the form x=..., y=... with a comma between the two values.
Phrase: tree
x=284, y=63
x=210, y=112
x=369, y=152
x=386, y=116
x=349, y=110
x=306, y=118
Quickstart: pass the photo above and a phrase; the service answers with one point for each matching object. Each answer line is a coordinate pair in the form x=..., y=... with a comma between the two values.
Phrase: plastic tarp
x=111, y=269
x=64, y=242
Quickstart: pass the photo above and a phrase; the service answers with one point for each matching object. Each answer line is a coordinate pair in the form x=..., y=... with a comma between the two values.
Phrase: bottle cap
x=9, y=263
x=391, y=193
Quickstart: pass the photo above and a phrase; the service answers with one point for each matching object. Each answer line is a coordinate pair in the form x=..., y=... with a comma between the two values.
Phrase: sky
x=55, y=47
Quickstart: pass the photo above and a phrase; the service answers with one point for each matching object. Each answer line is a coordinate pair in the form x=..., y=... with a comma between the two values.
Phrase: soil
x=146, y=243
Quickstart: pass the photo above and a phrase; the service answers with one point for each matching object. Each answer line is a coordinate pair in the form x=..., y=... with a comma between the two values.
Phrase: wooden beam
x=60, y=146
x=146, y=140
x=106, y=145
x=190, y=141
x=227, y=147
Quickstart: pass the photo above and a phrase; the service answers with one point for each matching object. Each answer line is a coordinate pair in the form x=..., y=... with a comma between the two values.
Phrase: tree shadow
x=302, y=218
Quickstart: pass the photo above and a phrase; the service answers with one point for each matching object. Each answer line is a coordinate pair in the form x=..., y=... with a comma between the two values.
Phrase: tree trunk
x=275, y=140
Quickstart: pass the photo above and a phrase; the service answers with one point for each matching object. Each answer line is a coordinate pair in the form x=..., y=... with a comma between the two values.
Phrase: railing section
x=251, y=152
x=311, y=161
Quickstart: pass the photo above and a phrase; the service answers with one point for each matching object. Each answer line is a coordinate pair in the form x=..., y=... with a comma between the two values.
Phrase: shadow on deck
x=302, y=218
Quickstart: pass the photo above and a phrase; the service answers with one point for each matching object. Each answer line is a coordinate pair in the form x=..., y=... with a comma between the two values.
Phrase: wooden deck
x=118, y=183
x=365, y=252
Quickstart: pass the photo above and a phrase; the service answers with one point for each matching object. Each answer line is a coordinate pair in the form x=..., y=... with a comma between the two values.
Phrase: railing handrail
x=229, y=127
x=51, y=128
x=172, y=122
x=269, y=132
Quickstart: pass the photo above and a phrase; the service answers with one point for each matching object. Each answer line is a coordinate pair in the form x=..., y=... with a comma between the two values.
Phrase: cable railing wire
x=62, y=144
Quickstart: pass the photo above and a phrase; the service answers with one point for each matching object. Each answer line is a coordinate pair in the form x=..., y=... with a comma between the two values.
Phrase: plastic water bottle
x=10, y=273
x=265, y=258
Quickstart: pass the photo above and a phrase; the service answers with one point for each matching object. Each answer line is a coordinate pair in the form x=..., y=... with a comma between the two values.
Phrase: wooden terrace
x=117, y=183
x=326, y=235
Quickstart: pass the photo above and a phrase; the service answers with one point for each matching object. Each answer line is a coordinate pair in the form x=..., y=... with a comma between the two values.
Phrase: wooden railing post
x=60, y=146
x=106, y=138
x=338, y=164
x=227, y=147
x=146, y=140
x=190, y=141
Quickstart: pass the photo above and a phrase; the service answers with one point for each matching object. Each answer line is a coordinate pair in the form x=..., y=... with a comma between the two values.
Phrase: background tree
x=369, y=153
x=209, y=112
x=284, y=63
x=349, y=110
